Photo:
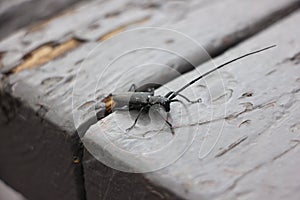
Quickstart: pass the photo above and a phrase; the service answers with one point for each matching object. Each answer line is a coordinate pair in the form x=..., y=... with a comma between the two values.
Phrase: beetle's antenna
x=172, y=95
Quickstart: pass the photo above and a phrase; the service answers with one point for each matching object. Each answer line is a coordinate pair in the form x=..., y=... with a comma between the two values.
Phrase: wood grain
x=268, y=153
x=45, y=92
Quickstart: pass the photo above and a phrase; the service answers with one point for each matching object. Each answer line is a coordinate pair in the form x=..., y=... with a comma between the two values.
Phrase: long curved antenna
x=174, y=94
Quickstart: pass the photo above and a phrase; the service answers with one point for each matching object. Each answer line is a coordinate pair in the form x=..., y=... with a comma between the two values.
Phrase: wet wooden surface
x=15, y=14
x=45, y=65
x=246, y=134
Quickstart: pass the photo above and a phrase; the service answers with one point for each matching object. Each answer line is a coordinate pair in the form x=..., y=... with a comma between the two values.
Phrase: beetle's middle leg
x=136, y=119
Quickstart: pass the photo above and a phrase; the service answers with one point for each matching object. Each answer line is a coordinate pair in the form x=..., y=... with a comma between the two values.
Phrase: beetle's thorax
x=159, y=100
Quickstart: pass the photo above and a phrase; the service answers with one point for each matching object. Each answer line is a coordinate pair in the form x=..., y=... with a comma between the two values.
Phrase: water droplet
x=295, y=128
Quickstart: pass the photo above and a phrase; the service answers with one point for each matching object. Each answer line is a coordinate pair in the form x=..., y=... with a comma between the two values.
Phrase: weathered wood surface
x=46, y=91
x=252, y=123
x=88, y=24
x=15, y=14
x=39, y=159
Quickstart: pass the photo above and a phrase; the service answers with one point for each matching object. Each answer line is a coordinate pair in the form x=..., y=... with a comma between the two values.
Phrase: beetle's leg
x=168, y=123
x=190, y=101
x=132, y=88
x=136, y=119
x=169, y=116
x=171, y=127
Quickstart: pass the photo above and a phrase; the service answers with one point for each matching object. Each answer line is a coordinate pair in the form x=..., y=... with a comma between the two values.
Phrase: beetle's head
x=160, y=100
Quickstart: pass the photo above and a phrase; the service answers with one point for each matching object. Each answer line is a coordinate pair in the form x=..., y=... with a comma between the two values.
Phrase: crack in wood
x=231, y=146
x=295, y=59
x=246, y=122
x=235, y=183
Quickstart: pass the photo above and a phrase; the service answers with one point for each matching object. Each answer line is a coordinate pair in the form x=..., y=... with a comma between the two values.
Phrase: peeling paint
x=231, y=146
x=45, y=54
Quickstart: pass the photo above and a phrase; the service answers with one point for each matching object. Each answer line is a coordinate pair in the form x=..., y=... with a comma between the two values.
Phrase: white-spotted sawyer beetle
x=142, y=99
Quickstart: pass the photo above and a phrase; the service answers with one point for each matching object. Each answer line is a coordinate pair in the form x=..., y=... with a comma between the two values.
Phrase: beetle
x=142, y=99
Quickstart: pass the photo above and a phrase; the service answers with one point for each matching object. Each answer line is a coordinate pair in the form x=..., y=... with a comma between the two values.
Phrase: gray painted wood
x=85, y=90
x=47, y=90
x=39, y=159
x=103, y=182
x=246, y=143
x=15, y=14
x=87, y=23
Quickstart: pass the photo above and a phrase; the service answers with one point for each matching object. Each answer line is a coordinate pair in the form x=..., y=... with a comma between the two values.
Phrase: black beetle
x=143, y=98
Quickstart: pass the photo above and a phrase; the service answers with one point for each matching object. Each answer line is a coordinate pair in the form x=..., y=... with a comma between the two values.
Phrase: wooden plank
x=182, y=46
x=119, y=15
x=246, y=131
x=112, y=184
x=39, y=159
x=47, y=90
x=90, y=25
x=15, y=14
